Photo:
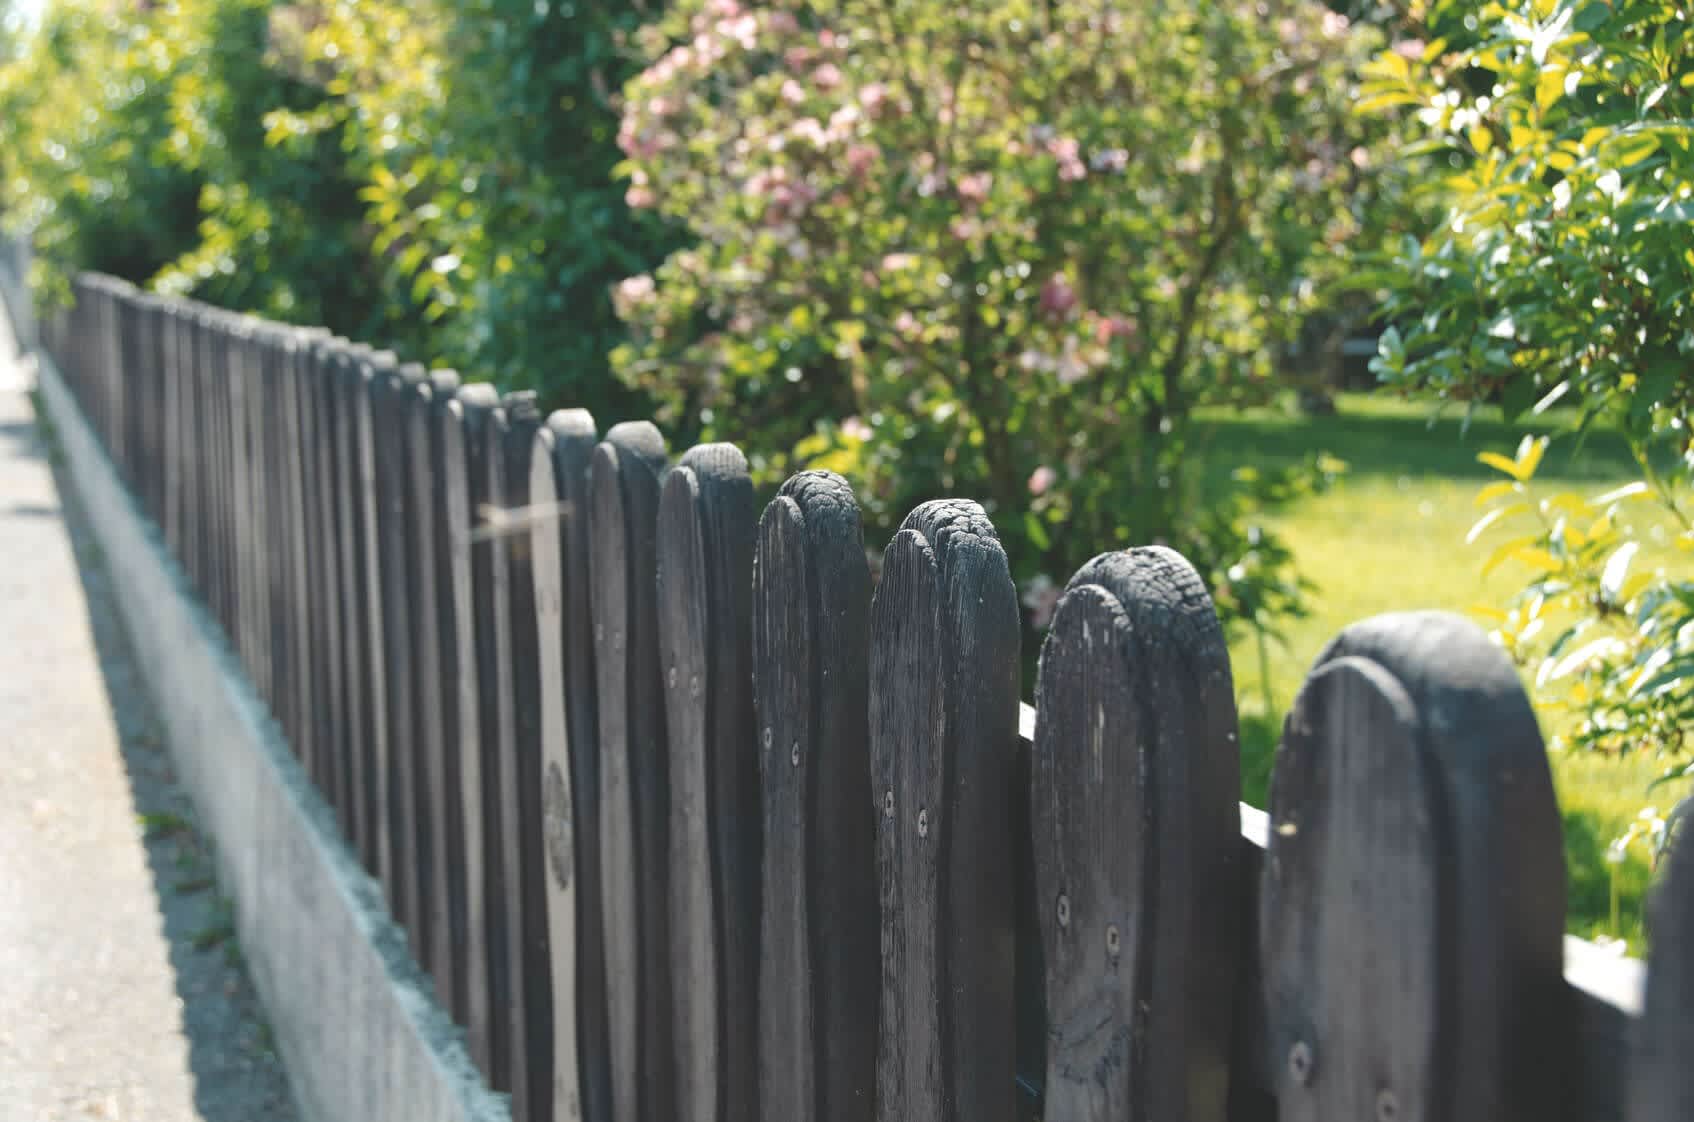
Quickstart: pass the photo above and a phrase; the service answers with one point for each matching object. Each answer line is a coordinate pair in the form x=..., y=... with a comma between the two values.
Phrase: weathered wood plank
x=520, y=792
x=344, y=388
x=1503, y=1037
x=1661, y=1079
x=818, y=941
x=570, y=764
x=428, y=772
x=1143, y=1031
x=373, y=372
x=1351, y=957
x=705, y=566
x=948, y=1047
x=484, y=431
x=463, y=438
x=634, y=810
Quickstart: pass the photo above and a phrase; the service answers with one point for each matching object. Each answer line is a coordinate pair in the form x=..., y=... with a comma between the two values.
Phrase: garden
x=1100, y=266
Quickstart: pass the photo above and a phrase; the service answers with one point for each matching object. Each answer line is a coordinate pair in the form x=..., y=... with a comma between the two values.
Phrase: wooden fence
x=686, y=821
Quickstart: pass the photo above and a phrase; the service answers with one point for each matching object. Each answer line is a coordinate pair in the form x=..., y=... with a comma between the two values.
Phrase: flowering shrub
x=994, y=248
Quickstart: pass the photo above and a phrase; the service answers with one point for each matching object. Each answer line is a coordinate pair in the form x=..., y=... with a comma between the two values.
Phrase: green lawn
x=1391, y=537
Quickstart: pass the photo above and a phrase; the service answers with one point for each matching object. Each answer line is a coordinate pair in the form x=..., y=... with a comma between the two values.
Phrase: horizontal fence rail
x=687, y=820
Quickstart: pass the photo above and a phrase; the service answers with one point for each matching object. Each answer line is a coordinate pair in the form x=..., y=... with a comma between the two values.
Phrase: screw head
x=1064, y=910
x=923, y=823
x=1387, y=1106
x=768, y=737
x=672, y=678
x=1300, y=1062
x=1114, y=940
x=794, y=754
x=888, y=803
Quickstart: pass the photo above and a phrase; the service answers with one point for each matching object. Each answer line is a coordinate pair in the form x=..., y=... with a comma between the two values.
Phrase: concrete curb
x=355, y=1020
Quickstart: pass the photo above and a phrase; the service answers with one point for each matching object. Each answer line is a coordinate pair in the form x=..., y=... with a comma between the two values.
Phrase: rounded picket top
x=633, y=795
x=1495, y=924
x=818, y=936
x=1352, y=962
x=1134, y=779
x=945, y=622
x=705, y=555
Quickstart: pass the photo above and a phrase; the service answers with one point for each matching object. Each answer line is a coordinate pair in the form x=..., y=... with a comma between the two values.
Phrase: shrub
x=1002, y=249
x=1563, y=275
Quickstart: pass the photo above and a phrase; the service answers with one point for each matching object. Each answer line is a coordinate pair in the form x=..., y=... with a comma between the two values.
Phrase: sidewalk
x=121, y=989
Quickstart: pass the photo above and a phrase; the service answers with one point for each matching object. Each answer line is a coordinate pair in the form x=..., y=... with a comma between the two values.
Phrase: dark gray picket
x=1661, y=1080
x=634, y=810
x=1394, y=900
x=705, y=559
x=943, y=736
x=531, y=1005
x=1136, y=855
x=818, y=976
x=463, y=614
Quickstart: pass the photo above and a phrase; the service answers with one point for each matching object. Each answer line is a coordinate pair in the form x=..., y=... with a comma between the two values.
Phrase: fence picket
x=1381, y=890
x=943, y=736
x=469, y=569
x=818, y=974
x=1661, y=1080
x=705, y=555
x=520, y=792
x=634, y=812
x=568, y=767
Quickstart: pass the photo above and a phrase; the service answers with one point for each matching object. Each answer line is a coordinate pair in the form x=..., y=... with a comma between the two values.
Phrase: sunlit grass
x=1391, y=537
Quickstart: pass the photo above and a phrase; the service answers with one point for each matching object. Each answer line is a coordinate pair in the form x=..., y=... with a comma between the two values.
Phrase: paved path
x=121, y=989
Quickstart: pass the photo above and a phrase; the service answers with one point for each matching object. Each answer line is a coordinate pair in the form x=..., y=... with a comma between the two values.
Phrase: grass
x=1391, y=537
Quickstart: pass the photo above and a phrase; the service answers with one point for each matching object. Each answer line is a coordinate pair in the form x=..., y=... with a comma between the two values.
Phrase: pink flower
x=1334, y=24
x=855, y=429
x=631, y=294
x=782, y=22
x=792, y=92
x=638, y=198
x=827, y=76
x=1041, y=479
x=894, y=262
x=861, y=157
x=974, y=188
x=872, y=96
x=1114, y=327
x=1410, y=48
x=723, y=9
x=906, y=324
x=1058, y=298
x=797, y=58
x=826, y=38
x=964, y=229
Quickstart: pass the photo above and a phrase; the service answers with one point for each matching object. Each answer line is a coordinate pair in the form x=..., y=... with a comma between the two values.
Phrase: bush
x=1563, y=274
x=999, y=249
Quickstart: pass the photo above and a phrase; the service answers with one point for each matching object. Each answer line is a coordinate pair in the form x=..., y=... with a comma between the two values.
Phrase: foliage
x=1563, y=275
x=1003, y=249
x=88, y=178
x=483, y=131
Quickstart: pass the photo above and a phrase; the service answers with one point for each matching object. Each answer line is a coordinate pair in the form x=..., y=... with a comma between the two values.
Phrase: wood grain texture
x=463, y=438
x=520, y=792
x=1094, y=849
x=1177, y=661
x=490, y=572
x=1349, y=938
x=552, y=778
x=705, y=567
x=818, y=975
x=948, y=1047
x=634, y=807
x=428, y=773
x=564, y=451
x=1661, y=1079
x=1505, y=1035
